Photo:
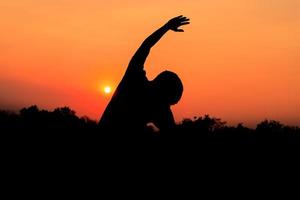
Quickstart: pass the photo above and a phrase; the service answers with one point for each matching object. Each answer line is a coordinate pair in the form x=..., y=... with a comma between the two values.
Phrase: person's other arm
x=165, y=120
x=139, y=58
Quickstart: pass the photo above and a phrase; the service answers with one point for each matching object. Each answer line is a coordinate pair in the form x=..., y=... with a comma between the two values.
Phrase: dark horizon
x=62, y=127
x=17, y=111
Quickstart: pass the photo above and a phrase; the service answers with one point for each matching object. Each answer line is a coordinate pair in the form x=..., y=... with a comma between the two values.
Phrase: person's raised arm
x=139, y=58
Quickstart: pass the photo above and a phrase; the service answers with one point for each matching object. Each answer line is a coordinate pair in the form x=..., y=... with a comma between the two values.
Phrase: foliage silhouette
x=63, y=127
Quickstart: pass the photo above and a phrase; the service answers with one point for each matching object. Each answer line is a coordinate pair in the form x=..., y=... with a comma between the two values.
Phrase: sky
x=238, y=60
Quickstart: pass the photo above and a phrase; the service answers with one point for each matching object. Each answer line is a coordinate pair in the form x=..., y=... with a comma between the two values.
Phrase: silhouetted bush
x=63, y=126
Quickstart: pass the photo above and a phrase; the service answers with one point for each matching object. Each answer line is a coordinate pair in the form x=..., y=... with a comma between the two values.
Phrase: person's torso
x=129, y=106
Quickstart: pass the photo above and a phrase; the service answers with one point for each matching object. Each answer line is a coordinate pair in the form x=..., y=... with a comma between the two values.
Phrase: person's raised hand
x=176, y=22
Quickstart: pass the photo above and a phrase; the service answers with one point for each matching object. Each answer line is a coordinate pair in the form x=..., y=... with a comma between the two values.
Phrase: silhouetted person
x=138, y=101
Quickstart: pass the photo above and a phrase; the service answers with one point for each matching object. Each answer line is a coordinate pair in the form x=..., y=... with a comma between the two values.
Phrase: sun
x=107, y=90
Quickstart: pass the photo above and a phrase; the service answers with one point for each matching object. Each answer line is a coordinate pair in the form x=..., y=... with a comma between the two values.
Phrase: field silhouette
x=63, y=128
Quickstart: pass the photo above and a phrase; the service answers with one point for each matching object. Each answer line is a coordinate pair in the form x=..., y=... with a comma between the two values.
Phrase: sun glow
x=107, y=90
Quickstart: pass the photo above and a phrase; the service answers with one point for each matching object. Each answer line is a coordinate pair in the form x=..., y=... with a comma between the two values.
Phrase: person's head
x=168, y=87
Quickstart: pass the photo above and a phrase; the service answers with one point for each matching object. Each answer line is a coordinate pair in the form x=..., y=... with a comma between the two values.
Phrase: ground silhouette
x=62, y=127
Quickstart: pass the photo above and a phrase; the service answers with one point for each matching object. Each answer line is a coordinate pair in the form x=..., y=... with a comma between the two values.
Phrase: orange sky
x=238, y=60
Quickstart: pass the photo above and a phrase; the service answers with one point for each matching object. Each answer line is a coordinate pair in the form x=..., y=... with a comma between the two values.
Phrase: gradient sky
x=238, y=60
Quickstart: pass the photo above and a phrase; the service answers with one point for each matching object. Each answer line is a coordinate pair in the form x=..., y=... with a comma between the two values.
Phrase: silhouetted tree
x=269, y=126
x=62, y=126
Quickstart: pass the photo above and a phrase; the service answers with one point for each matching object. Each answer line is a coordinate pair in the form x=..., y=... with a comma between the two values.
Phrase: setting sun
x=107, y=90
